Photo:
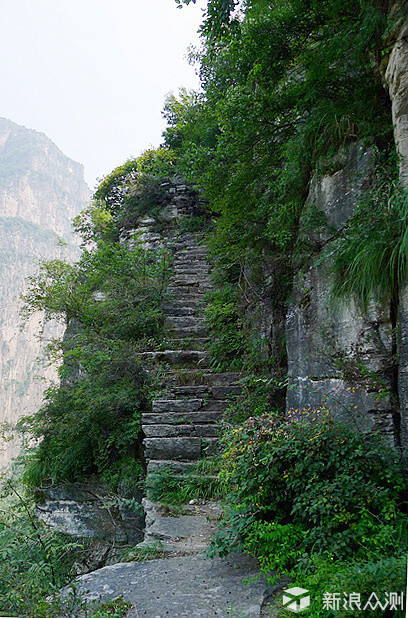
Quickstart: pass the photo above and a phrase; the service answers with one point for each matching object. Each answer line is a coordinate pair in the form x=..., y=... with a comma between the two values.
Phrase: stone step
x=188, y=244
x=191, y=253
x=187, y=298
x=188, y=391
x=186, y=251
x=204, y=391
x=201, y=417
x=178, y=467
x=187, y=268
x=172, y=431
x=191, y=260
x=184, y=301
x=191, y=263
x=191, y=287
x=185, y=343
x=192, y=292
x=189, y=333
x=176, y=405
x=187, y=405
x=177, y=321
x=172, y=309
x=194, y=277
x=179, y=448
x=197, y=377
x=177, y=280
x=195, y=358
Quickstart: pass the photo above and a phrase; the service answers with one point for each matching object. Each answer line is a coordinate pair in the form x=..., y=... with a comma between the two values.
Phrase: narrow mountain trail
x=182, y=582
x=180, y=429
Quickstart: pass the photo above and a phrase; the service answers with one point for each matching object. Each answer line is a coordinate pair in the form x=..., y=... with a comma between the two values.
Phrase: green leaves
x=371, y=257
x=111, y=300
x=34, y=559
x=284, y=88
x=310, y=478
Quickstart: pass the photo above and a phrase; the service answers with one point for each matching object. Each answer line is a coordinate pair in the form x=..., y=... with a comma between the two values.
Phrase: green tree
x=110, y=301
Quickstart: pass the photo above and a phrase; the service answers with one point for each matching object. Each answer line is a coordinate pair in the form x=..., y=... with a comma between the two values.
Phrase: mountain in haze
x=41, y=190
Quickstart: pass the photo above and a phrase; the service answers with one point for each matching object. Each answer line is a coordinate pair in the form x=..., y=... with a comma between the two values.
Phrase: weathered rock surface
x=89, y=510
x=185, y=586
x=396, y=77
x=40, y=191
x=326, y=337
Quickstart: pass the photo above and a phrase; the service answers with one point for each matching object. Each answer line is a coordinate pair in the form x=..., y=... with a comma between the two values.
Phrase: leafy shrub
x=260, y=394
x=90, y=423
x=380, y=576
x=310, y=478
x=35, y=560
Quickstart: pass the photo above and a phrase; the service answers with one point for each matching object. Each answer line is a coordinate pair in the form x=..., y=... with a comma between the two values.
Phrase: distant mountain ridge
x=37, y=181
x=41, y=190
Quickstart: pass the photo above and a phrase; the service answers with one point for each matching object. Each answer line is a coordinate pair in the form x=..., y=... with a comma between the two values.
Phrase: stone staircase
x=182, y=425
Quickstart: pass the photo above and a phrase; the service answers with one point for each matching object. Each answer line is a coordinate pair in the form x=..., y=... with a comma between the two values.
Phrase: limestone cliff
x=41, y=190
x=332, y=346
x=320, y=333
x=396, y=78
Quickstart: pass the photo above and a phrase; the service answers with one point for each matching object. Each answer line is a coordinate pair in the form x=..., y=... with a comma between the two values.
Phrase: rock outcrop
x=40, y=191
x=325, y=338
x=396, y=78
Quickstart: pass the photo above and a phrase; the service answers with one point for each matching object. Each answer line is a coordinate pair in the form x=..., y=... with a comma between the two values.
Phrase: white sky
x=93, y=74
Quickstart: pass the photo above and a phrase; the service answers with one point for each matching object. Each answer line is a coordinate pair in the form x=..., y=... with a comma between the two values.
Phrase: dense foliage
x=111, y=302
x=285, y=86
x=312, y=498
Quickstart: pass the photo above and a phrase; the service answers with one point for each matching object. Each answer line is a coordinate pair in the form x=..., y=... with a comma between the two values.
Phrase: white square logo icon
x=296, y=599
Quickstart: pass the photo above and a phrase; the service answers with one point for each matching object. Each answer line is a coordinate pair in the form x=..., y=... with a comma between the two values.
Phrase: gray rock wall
x=396, y=77
x=40, y=191
x=331, y=346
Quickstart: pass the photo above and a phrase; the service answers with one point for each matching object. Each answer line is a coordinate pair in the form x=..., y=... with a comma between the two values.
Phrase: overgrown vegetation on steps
x=201, y=482
x=317, y=503
x=286, y=86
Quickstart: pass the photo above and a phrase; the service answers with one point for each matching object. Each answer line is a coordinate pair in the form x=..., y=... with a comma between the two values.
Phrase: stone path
x=183, y=582
x=182, y=425
x=180, y=531
x=187, y=586
x=181, y=428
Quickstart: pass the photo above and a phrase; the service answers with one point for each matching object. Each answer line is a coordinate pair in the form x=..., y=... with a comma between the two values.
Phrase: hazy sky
x=93, y=74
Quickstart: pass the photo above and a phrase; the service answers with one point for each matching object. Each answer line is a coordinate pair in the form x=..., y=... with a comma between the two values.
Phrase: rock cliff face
x=325, y=340
x=41, y=190
x=319, y=333
x=396, y=78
